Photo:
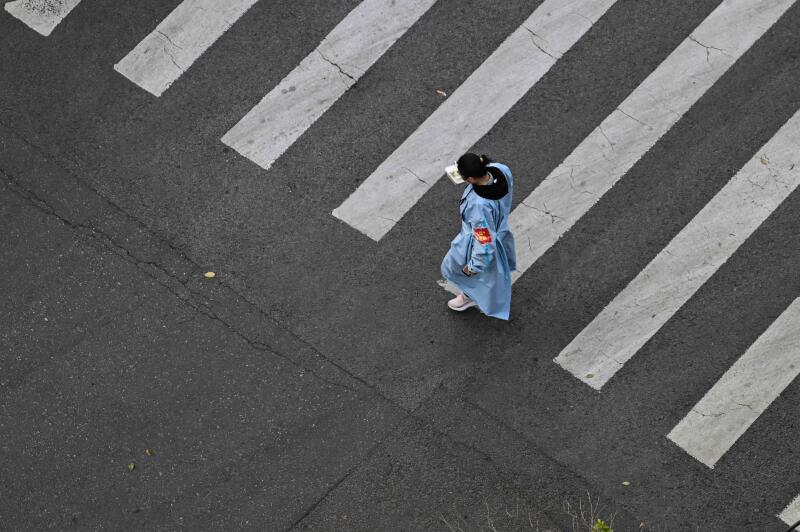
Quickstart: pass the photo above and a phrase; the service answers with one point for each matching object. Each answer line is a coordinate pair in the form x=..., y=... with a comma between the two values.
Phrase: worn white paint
x=322, y=77
x=743, y=392
x=635, y=126
x=688, y=261
x=468, y=114
x=41, y=15
x=791, y=514
x=192, y=27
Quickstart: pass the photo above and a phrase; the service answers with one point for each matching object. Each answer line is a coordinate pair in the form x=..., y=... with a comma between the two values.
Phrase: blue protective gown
x=486, y=245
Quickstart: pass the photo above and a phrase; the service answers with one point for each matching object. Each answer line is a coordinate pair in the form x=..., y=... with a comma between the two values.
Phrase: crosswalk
x=678, y=271
x=322, y=78
x=744, y=392
x=41, y=15
x=635, y=126
x=177, y=42
x=375, y=207
x=791, y=514
x=466, y=116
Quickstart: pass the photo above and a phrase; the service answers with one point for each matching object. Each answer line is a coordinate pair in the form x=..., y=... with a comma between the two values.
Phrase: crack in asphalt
x=168, y=39
x=584, y=17
x=708, y=49
x=410, y=415
x=634, y=118
x=602, y=132
x=572, y=183
x=335, y=65
x=553, y=217
x=534, y=36
x=415, y=175
x=533, y=445
x=182, y=255
x=707, y=415
x=369, y=454
x=194, y=300
x=187, y=296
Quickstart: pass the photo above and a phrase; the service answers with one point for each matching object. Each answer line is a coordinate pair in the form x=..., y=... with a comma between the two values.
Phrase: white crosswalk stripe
x=468, y=114
x=743, y=392
x=41, y=15
x=345, y=54
x=158, y=60
x=688, y=261
x=635, y=126
x=791, y=514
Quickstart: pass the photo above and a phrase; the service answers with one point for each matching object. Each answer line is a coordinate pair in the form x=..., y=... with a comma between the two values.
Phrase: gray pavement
x=318, y=381
x=119, y=344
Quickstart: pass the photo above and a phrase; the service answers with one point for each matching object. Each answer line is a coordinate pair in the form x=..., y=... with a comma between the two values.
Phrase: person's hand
x=467, y=271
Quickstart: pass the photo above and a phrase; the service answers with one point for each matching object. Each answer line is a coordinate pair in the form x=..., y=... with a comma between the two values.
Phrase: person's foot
x=461, y=303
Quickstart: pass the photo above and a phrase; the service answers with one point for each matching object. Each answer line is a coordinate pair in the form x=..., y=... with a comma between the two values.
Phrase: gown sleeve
x=484, y=245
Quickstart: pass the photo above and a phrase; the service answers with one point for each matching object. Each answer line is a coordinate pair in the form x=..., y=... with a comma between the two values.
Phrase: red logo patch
x=483, y=235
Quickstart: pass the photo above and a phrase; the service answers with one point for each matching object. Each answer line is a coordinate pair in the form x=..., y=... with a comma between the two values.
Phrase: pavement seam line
x=190, y=298
x=542, y=451
x=412, y=415
x=471, y=378
x=350, y=471
x=183, y=255
x=409, y=414
x=55, y=159
x=498, y=468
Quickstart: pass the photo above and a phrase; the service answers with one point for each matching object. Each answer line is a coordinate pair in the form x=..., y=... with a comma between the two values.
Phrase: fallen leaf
x=764, y=160
x=590, y=375
x=131, y=466
x=210, y=275
x=441, y=93
x=148, y=452
x=626, y=483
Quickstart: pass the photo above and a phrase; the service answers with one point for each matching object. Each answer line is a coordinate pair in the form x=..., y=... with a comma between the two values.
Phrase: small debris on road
x=131, y=466
x=441, y=93
x=210, y=275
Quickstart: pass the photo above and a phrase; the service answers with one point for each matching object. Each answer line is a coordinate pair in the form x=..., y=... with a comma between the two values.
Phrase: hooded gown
x=485, y=245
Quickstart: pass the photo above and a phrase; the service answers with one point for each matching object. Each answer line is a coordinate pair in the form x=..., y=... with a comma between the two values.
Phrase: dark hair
x=472, y=165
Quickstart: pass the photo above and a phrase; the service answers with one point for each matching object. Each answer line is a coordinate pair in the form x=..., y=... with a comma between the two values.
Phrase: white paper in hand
x=452, y=173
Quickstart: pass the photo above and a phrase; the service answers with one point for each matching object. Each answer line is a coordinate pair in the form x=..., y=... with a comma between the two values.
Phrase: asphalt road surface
x=318, y=380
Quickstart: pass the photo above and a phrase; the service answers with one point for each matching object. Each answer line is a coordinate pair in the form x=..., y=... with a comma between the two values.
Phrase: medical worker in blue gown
x=482, y=256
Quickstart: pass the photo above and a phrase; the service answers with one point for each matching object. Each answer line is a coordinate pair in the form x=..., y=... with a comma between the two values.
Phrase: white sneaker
x=461, y=303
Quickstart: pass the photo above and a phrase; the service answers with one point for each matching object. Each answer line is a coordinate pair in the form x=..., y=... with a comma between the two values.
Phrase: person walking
x=482, y=256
